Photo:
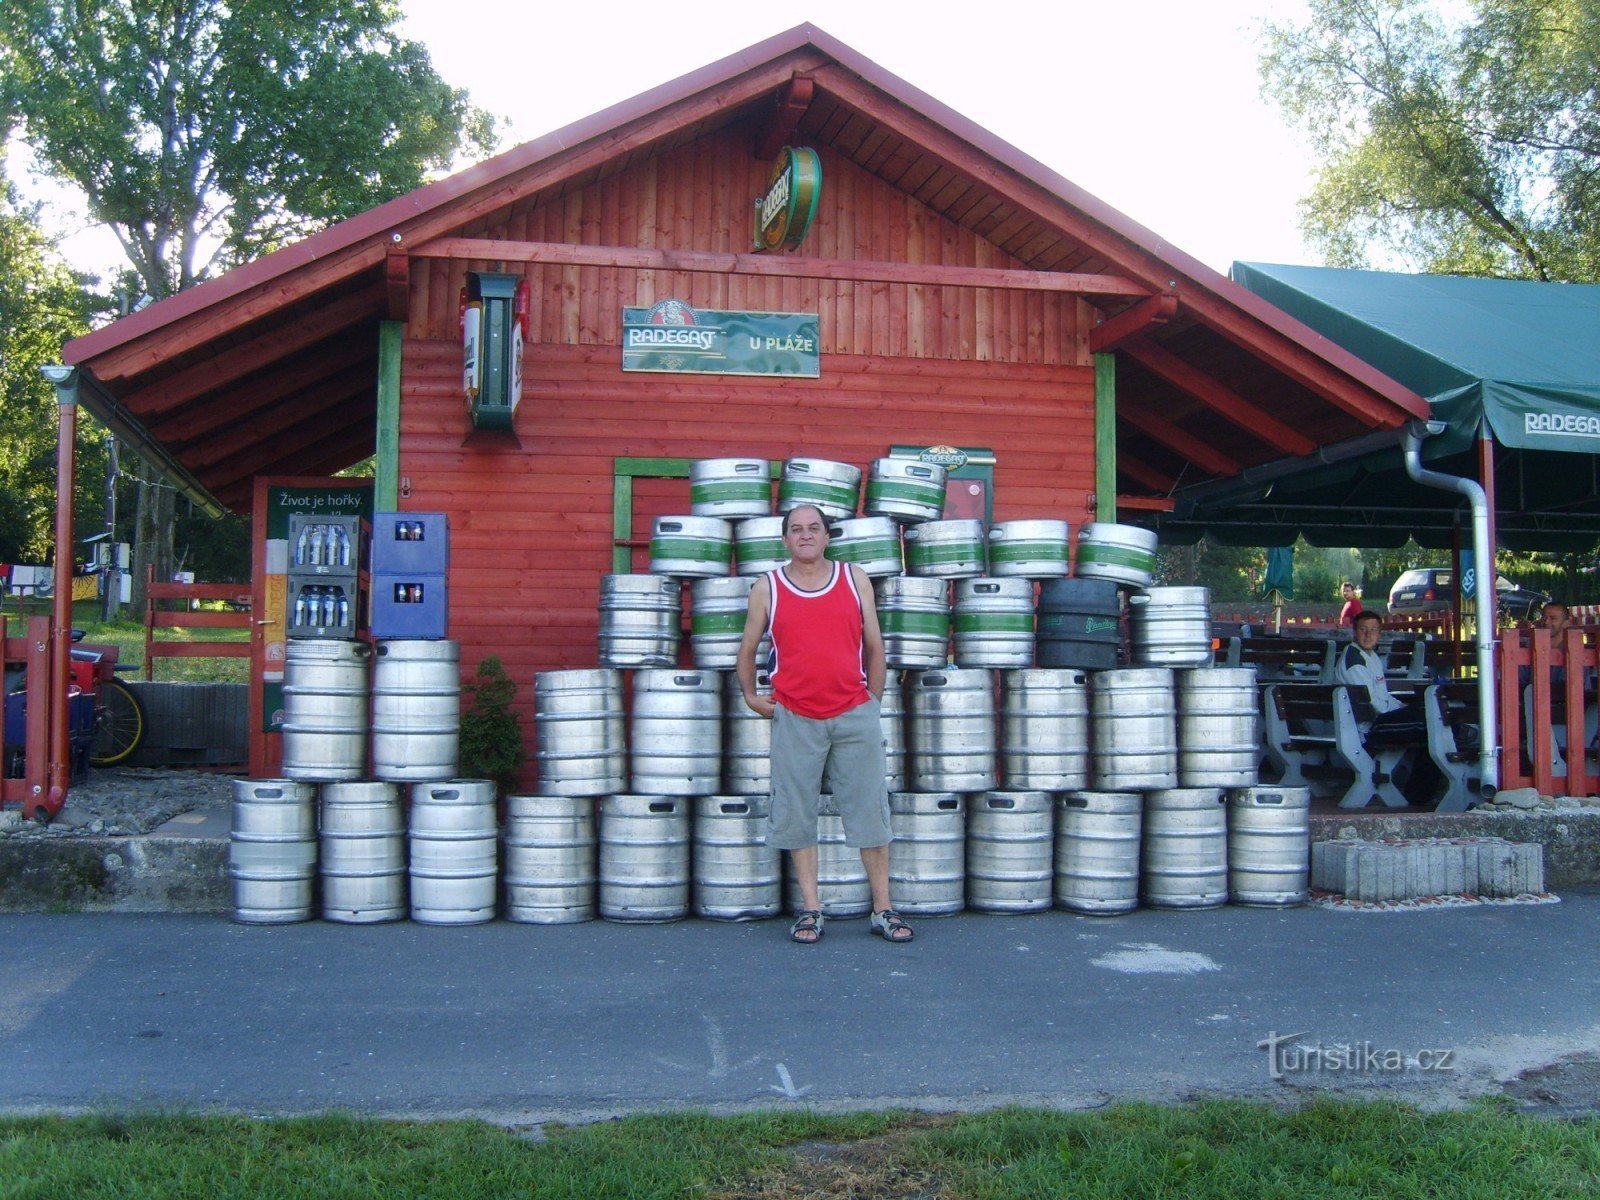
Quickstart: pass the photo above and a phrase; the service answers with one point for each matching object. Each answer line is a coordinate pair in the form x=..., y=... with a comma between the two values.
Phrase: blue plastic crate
x=410, y=606
x=410, y=543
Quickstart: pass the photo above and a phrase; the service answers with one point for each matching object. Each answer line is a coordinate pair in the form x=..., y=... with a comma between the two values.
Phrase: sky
x=1153, y=107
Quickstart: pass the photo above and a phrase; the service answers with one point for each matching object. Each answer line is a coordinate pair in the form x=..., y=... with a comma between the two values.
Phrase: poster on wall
x=673, y=337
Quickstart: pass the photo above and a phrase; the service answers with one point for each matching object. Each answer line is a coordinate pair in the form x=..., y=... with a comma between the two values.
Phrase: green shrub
x=491, y=737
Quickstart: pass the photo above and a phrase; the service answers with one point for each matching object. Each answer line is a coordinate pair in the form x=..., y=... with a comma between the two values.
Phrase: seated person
x=1399, y=722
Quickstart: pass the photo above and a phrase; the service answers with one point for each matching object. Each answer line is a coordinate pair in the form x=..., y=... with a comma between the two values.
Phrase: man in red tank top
x=827, y=674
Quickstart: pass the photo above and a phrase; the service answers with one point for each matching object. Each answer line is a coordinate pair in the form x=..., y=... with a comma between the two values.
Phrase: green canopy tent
x=1510, y=367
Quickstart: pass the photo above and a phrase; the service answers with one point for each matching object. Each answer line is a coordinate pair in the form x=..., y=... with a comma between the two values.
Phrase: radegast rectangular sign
x=671, y=336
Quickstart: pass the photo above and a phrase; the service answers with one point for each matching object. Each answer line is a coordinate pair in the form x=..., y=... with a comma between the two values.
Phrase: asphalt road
x=522, y=1024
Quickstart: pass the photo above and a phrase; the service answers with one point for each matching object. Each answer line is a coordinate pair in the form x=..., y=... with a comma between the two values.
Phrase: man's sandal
x=891, y=926
x=808, y=927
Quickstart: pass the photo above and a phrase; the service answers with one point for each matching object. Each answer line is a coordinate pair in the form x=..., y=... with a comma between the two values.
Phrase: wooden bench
x=1451, y=711
x=1418, y=660
x=1312, y=732
x=1305, y=660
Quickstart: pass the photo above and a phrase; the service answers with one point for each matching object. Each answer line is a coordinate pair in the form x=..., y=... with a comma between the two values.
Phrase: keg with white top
x=834, y=488
x=644, y=858
x=1044, y=730
x=717, y=611
x=1170, y=627
x=892, y=717
x=1123, y=553
x=676, y=733
x=746, y=739
x=736, y=875
x=455, y=852
x=914, y=618
x=641, y=619
x=842, y=884
x=363, y=853
x=325, y=698
x=928, y=858
x=580, y=740
x=946, y=549
x=1097, y=852
x=731, y=488
x=691, y=547
x=1185, y=857
x=1030, y=549
x=272, y=850
x=993, y=620
x=1135, y=730
x=1269, y=845
x=871, y=543
x=1219, y=738
x=758, y=545
x=1010, y=851
x=952, y=730
x=550, y=859
x=416, y=710
x=906, y=489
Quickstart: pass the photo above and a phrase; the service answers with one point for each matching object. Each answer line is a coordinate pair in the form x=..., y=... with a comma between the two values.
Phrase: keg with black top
x=1079, y=624
x=363, y=853
x=993, y=620
x=641, y=618
x=731, y=488
x=1030, y=549
x=736, y=875
x=1010, y=851
x=833, y=488
x=1044, y=730
x=906, y=489
x=927, y=858
x=644, y=858
x=1097, y=852
x=914, y=619
x=1184, y=863
x=580, y=738
x=952, y=730
x=272, y=849
x=550, y=859
x=676, y=733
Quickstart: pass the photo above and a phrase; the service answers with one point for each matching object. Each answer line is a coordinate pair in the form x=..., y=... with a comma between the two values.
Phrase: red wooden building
x=964, y=295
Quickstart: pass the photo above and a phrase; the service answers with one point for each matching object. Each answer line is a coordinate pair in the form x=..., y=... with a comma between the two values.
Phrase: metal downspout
x=60, y=762
x=1411, y=444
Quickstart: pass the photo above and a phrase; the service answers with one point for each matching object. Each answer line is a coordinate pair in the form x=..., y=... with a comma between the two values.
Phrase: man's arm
x=755, y=624
x=871, y=635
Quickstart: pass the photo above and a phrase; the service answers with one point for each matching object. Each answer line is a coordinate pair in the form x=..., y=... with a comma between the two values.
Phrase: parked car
x=1430, y=589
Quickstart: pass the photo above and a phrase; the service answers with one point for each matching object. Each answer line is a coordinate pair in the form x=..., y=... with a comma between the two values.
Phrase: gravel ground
x=120, y=801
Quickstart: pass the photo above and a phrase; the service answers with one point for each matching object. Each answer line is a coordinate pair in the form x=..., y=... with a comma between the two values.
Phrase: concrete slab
x=202, y=823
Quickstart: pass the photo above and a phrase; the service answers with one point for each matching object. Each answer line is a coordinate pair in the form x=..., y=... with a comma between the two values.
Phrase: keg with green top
x=914, y=616
x=717, y=610
x=1123, y=553
x=733, y=488
x=1031, y=549
x=905, y=489
x=691, y=547
x=833, y=487
x=758, y=545
x=946, y=549
x=871, y=543
x=994, y=622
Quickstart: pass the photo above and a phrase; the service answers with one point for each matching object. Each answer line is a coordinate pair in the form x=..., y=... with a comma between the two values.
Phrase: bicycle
x=118, y=717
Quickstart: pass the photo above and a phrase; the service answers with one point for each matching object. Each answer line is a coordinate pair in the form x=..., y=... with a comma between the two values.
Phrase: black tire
x=119, y=724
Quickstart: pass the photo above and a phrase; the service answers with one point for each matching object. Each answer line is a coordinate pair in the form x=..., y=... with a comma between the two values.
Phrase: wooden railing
x=1547, y=686
x=25, y=769
x=155, y=618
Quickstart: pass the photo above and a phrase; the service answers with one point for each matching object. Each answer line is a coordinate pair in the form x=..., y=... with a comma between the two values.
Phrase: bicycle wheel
x=119, y=724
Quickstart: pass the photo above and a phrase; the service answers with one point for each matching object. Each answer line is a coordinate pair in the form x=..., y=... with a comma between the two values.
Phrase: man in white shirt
x=1398, y=722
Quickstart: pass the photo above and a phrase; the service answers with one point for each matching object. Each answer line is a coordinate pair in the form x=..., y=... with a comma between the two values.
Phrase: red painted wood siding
x=699, y=197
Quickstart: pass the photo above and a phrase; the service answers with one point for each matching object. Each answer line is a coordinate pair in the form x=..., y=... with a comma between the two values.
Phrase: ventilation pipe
x=1411, y=445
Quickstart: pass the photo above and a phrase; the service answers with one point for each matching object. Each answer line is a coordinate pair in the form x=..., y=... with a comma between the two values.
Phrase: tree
x=1467, y=144
x=42, y=304
x=205, y=134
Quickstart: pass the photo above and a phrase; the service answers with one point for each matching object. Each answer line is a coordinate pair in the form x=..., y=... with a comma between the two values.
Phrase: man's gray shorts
x=848, y=750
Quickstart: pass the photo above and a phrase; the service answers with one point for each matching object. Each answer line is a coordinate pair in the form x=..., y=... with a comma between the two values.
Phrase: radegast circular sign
x=785, y=212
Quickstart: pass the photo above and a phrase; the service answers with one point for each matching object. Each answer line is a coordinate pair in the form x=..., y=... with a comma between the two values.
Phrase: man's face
x=1367, y=634
x=1348, y=590
x=805, y=534
x=1555, y=618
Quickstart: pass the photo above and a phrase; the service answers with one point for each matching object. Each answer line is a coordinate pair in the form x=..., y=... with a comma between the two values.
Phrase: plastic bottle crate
x=410, y=606
x=410, y=543
x=316, y=619
x=331, y=546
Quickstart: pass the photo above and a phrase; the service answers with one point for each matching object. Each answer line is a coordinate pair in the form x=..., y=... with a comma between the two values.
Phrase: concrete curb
x=114, y=874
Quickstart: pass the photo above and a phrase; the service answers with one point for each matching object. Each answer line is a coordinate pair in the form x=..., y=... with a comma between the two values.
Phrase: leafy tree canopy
x=1466, y=143
x=206, y=133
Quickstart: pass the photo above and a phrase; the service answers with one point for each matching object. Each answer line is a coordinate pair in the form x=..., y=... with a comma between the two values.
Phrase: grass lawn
x=1330, y=1148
